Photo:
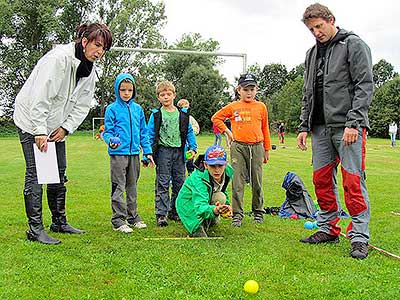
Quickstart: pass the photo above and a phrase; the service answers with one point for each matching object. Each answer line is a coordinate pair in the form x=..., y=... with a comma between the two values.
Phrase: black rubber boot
x=36, y=233
x=56, y=200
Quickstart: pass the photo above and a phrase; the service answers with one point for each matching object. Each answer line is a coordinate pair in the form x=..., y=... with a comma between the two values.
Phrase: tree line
x=28, y=29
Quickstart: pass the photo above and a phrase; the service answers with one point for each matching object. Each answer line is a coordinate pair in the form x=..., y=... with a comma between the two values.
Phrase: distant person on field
x=203, y=197
x=125, y=134
x=338, y=89
x=250, y=144
x=183, y=103
x=52, y=103
x=281, y=133
x=393, y=133
x=217, y=136
x=170, y=135
x=99, y=135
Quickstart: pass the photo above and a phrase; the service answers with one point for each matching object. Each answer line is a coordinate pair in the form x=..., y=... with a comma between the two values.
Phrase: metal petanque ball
x=218, y=197
x=251, y=287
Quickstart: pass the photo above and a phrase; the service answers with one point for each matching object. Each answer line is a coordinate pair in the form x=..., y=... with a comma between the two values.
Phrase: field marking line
x=183, y=238
x=395, y=213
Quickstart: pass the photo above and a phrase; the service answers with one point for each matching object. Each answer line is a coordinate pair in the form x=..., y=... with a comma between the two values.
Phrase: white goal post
x=174, y=51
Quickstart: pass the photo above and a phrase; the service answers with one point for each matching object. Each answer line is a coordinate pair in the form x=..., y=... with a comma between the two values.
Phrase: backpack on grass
x=298, y=201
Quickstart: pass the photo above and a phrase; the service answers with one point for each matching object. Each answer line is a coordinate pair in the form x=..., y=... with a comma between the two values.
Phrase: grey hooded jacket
x=348, y=83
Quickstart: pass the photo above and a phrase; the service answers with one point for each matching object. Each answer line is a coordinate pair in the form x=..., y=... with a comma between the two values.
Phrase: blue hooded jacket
x=126, y=120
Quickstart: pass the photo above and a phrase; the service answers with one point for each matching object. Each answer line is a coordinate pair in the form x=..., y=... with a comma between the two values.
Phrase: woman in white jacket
x=53, y=102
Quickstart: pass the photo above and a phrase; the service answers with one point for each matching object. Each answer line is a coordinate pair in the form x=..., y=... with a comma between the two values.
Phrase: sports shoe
x=359, y=250
x=320, y=237
x=200, y=232
x=124, y=228
x=173, y=215
x=139, y=224
x=162, y=221
x=236, y=221
x=258, y=218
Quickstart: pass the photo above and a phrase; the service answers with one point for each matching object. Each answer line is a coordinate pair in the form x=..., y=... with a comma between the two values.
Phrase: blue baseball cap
x=215, y=155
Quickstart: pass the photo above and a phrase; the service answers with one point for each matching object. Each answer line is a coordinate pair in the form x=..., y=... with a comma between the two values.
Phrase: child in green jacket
x=203, y=197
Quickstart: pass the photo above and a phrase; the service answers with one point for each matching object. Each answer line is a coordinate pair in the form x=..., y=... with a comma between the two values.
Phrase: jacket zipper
x=130, y=122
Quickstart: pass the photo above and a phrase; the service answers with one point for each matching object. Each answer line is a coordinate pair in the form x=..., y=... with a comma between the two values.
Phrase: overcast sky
x=270, y=31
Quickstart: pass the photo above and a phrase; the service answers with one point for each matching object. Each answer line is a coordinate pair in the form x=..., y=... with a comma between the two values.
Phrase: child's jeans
x=217, y=139
x=170, y=165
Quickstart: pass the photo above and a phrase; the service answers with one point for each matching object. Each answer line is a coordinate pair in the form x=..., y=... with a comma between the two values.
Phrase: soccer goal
x=97, y=121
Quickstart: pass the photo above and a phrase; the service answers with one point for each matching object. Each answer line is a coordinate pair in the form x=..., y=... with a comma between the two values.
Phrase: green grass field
x=103, y=264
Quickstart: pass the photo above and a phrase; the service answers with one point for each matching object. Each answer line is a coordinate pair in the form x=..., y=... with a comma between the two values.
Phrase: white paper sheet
x=46, y=164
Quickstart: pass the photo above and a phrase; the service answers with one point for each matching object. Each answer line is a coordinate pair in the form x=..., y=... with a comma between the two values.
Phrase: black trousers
x=33, y=190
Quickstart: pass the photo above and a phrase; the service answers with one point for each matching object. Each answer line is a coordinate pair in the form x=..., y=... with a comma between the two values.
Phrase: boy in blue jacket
x=125, y=133
x=169, y=133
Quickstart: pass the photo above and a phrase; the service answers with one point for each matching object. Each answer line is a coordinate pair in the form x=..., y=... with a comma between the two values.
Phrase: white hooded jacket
x=50, y=98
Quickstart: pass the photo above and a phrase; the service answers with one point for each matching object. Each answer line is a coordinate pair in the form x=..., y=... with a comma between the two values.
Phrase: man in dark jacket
x=337, y=92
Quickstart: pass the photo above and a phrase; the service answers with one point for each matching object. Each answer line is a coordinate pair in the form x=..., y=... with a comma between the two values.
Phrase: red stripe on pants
x=353, y=196
x=364, y=142
x=323, y=182
x=324, y=189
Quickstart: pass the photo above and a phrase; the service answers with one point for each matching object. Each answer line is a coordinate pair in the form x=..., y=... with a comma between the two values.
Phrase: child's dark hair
x=93, y=31
x=317, y=10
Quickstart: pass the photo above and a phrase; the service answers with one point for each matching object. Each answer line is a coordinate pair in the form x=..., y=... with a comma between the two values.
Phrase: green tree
x=382, y=72
x=28, y=29
x=196, y=77
x=286, y=104
x=272, y=78
x=204, y=88
x=385, y=107
x=296, y=72
x=134, y=24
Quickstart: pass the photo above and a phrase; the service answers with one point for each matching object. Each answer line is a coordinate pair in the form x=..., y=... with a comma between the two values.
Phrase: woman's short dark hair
x=93, y=31
x=317, y=10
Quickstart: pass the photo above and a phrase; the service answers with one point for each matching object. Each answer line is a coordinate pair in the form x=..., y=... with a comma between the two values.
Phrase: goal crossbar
x=177, y=51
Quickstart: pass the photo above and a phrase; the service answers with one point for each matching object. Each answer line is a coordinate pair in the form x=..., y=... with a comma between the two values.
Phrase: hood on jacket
x=340, y=36
x=117, y=83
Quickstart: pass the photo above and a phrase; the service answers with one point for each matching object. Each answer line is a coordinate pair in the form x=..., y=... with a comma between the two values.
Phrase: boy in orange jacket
x=250, y=142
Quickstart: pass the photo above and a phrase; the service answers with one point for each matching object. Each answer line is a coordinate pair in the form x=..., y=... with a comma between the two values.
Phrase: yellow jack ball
x=251, y=287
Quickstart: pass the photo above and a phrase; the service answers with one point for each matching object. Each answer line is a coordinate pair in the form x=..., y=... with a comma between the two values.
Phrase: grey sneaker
x=258, y=218
x=124, y=228
x=359, y=250
x=320, y=237
x=139, y=225
x=236, y=221
x=162, y=221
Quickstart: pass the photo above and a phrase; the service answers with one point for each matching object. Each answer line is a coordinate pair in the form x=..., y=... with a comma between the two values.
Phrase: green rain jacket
x=193, y=201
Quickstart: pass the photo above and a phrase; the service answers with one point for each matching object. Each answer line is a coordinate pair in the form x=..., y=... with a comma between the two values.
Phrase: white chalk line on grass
x=183, y=238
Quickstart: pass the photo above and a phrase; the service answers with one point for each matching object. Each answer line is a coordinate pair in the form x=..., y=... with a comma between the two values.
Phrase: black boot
x=36, y=233
x=56, y=200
